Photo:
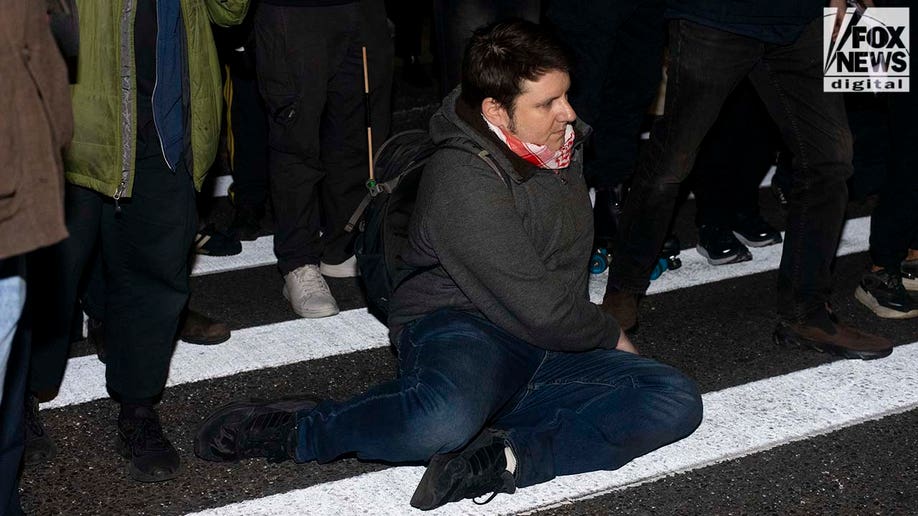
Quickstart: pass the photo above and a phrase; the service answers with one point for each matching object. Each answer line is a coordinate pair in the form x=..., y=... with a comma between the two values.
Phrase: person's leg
x=250, y=156
x=145, y=251
x=814, y=126
x=456, y=372
x=344, y=132
x=597, y=411
x=293, y=69
x=705, y=66
x=14, y=358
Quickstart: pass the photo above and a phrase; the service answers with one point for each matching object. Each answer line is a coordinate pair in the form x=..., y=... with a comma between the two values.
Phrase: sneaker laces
x=486, y=468
x=310, y=279
x=269, y=433
x=146, y=433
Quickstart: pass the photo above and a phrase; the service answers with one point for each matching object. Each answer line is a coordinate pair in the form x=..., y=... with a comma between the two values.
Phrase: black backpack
x=382, y=218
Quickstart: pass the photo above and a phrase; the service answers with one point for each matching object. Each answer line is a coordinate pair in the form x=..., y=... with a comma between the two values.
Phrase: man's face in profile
x=541, y=112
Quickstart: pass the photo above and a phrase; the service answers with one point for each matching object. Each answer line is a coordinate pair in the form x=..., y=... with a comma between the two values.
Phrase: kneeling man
x=508, y=374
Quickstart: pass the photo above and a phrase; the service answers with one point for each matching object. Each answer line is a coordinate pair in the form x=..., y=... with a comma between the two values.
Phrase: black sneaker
x=480, y=468
x=720, y=247
x=884, y=293
x=756, y=232
x=210, y=240
x=910, y=275
x=254, y=428
x=140, y=440
x=39, y=447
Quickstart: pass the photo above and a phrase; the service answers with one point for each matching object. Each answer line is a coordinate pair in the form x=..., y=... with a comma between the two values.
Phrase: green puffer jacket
x=101, y=156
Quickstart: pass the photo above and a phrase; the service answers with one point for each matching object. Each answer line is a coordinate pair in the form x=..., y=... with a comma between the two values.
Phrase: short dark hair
x=500, y=56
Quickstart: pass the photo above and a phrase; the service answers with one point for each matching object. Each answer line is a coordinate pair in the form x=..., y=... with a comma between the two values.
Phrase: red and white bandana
x=538, y=155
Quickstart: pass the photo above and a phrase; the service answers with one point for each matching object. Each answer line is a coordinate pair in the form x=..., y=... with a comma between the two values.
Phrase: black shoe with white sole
x=885, y=295
x=756, y=232
x=720, y=247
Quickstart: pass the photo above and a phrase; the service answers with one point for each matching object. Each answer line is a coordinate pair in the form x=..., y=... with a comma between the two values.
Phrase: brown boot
x=623, y=306
x=199, y=329
x=828, y=336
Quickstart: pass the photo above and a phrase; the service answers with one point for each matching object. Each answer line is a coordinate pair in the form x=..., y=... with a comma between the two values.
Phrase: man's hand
x=624, y=344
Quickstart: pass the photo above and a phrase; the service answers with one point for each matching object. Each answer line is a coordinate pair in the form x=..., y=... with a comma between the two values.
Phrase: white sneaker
x=345, y=269
x=308, y=293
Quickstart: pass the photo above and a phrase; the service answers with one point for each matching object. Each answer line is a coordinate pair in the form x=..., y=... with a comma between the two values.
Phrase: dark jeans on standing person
x=456, y=20
x=250, y=143
x=734, y=157
x=310, y=75
x=894, y=224
x=144, y=249
x=706, y=65
x=15, y=327
x=564, y=413
x=618, y=52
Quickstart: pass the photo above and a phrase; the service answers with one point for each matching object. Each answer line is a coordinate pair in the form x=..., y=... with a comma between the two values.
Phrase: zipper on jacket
x=159, y=135
x=119, y=193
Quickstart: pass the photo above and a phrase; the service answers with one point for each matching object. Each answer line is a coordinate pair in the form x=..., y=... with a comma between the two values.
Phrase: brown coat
x=36, y=122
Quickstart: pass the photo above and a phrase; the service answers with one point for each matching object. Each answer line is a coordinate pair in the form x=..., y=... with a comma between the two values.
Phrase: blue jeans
x=565, y=413
x=706, y=64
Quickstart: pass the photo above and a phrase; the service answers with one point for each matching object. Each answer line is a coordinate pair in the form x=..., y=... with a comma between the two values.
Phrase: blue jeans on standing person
x=564, y=413
x=706, y=64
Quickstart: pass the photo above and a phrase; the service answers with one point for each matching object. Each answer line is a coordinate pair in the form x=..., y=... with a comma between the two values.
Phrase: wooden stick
x=366, y=100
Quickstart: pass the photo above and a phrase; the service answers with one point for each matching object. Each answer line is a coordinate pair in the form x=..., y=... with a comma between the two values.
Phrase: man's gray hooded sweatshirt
x=515, y=254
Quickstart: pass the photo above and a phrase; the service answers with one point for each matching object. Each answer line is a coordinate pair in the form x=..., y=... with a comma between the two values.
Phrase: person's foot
x=720, y=246
x=884, y=294
x=249, y=429
x=755, y=231
x=910, y=275
x=141, y=441
x=308, y=294
x=209, y=240
x=486, y=465
x=623, y=306
x=199, y=329
x=246, y=223
x=823, y=334
x=39, y=447
x=345, y=269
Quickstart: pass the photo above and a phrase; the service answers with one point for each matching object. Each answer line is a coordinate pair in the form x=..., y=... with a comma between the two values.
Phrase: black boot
x=140, y=440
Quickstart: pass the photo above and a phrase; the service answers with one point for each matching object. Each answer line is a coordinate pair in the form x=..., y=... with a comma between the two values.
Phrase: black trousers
x=144, y=251
x=310, y=75
x=734, y=157
x=706, y=65
x=618, y=52
x=894, y=225
x=250, y=147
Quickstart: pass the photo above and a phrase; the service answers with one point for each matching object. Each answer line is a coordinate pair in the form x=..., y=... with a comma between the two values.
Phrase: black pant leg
x=56, y=286
x=12, y=434
x=250, y=132
x=145, y=249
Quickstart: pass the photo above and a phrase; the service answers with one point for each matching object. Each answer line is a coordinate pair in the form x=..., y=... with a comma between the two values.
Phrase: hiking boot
x=884, y=294
x=246, y=224
x=720, y=247
x=755, y=231
x=151, y=456
x=486, y=465
x=623, y=306
x=827, y=336
x=910, y=275
x=199, y=329
x=254, y=428
x=39, y=447
x=209, y=240
x=308, y=294
x=345, y=269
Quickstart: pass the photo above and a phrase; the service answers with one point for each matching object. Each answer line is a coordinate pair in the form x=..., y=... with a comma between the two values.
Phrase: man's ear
x=495, y=113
